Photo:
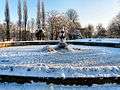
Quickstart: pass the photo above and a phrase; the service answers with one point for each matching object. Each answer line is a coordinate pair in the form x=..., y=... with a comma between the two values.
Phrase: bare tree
x=90, y=30
x=73, y=30
x=28, y=31
x=101, y=31
x=7, y=19
x=20, y=18
x=55, y=22
x=2, y=33
x=73, y=24
x=114, y=27
x=25, y=19
x=32, y=29
x=50, y=21
x=72, y=15
x=14, y=31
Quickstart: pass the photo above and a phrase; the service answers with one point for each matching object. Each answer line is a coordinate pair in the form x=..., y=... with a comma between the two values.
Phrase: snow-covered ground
x=88, y=62
x=38, y=86
x=33, y=61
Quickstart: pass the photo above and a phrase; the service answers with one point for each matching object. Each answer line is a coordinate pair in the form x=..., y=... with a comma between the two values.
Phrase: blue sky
x=90, y=11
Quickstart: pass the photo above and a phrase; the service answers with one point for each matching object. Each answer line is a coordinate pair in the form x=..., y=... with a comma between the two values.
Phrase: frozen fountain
x=62, y=45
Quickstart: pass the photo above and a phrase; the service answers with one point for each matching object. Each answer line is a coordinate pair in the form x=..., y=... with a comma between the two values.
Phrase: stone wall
x=55, y=42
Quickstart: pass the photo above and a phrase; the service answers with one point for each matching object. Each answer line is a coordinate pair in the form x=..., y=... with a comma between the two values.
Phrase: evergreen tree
x=43, y=16
x=7, y=20
x=20, y=18
x=25, y=19
x=39, y=33
x=38, y=15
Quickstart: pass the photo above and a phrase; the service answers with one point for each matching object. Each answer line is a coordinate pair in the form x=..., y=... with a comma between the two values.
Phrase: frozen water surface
x=33, y=61
x=87, y=56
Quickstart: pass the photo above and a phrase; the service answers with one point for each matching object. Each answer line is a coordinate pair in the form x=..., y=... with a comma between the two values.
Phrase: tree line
x=48, y=24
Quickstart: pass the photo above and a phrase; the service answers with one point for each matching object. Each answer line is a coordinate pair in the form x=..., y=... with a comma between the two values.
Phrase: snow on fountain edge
x=59, y=71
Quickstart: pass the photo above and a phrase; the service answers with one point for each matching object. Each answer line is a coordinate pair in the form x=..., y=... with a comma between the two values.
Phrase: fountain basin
x=86, y=42
x=87, y=62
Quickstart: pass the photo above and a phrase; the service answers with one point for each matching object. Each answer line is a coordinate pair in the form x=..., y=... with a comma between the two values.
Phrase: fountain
x=62, y=45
